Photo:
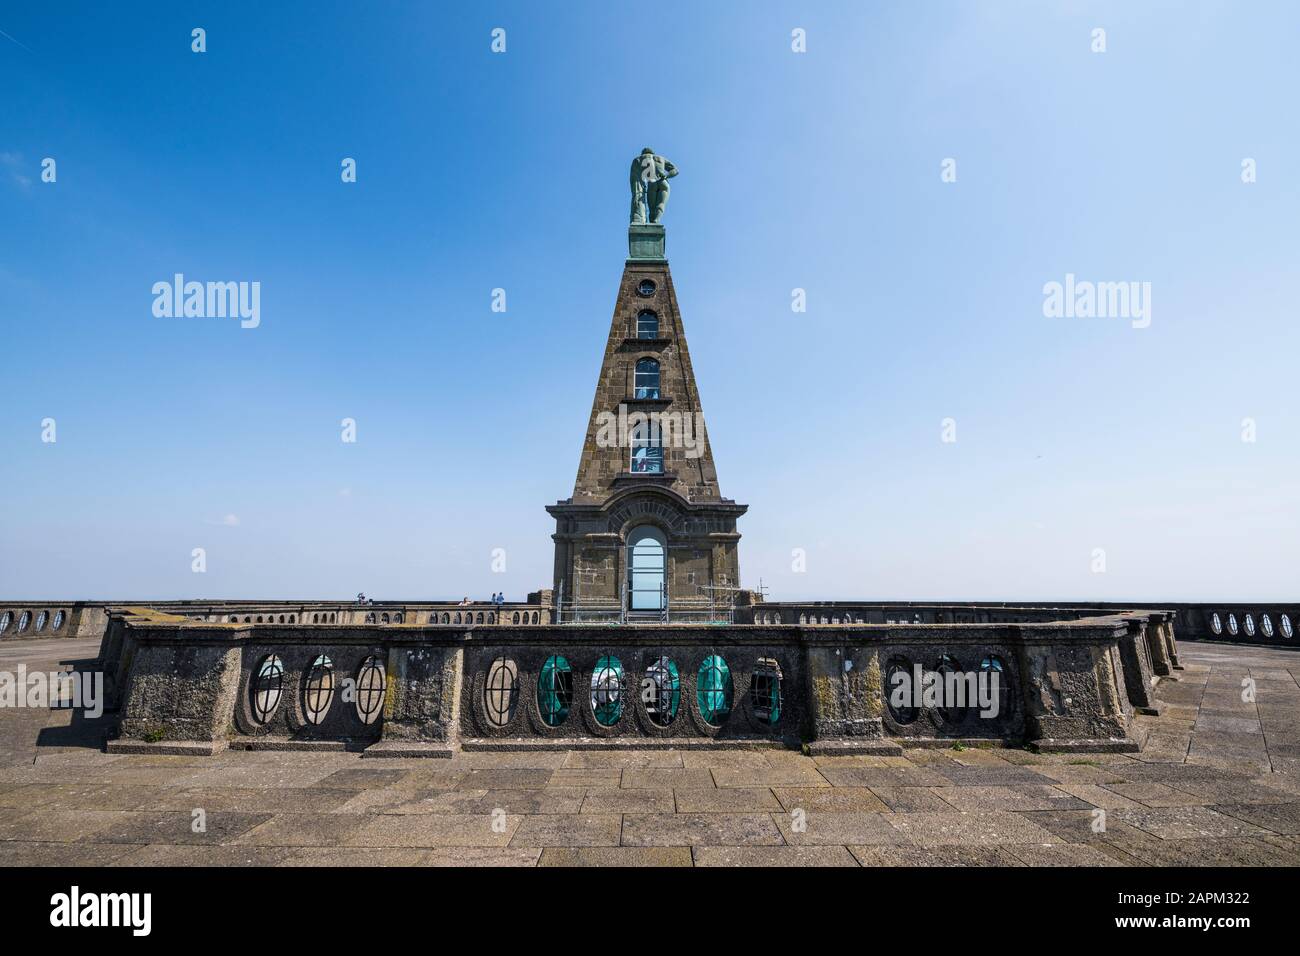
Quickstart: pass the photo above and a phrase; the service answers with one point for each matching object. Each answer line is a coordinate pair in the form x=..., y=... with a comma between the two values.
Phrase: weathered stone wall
x=1064, y=685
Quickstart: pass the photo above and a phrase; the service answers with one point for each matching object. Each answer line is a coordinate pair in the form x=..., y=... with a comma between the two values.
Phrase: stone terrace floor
x=1218, y=783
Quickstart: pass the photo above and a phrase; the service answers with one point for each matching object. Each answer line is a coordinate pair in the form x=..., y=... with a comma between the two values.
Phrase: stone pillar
x=1138, y=676
x=846, y=704
x=1159, y=649
x=1071, y=696
x=421, y=702
x=180, y=694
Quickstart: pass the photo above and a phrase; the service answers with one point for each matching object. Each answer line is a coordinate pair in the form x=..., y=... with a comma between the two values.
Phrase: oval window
x=555, y=691
x=607, y=691
x=646, y=288
x=40, y=620
x=5, y=618
x=318, y=692
x=501, y=692
x=900, y=694
x=371, y=683
x=1216, y=625
x=765, y=691
x=949, y=687
x=1232, y=624
x=24, y=621
x=993, y=674
x=1250, y=625
x=662, y=691
x=1286, y=627
x=1266, y=625
x=713, y=689
x=266, y=687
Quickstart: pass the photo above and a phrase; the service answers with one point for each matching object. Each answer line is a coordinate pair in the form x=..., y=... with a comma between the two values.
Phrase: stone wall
x=1070, y=685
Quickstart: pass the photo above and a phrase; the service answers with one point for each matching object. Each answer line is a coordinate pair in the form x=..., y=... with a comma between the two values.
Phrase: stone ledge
x=1100, y=745
x=970, y=743
x=283, y=743
x=403, y=748
x=854, y=747
x=171, y=748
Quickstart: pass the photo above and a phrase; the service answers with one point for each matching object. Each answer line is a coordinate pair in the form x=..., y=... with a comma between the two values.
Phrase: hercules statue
x=649, y=180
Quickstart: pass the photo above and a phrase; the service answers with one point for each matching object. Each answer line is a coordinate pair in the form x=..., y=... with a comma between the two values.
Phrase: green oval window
x=607, y=691
x=713, y=689
x=555, y=690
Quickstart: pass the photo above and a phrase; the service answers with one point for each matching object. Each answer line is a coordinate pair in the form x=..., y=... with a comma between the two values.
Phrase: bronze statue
x=649, y=180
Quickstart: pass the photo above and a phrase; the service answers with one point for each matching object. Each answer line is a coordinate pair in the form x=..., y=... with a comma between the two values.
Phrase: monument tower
x=647, y=535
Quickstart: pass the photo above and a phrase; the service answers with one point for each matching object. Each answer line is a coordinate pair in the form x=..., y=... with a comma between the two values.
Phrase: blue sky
x=818, y=171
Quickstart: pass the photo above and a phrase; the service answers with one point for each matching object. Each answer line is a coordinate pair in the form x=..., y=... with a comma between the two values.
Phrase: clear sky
x=818, y=170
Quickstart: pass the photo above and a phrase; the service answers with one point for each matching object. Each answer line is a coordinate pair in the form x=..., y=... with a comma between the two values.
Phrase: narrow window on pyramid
x=647, y=449
x=647, y=378
x=647, y=325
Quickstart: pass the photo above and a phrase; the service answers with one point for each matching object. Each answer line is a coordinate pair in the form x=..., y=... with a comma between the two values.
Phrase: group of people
x=498, y=597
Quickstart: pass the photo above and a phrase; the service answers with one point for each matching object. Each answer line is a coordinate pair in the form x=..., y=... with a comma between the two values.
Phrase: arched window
x=647, y=325
x=646, y=441
x=647, y=378
x=647, y=563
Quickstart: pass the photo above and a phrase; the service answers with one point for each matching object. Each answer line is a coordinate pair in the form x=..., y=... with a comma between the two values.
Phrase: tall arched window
x=647, y=325
x=647, y=552
x=647, y=449
x=647, y=378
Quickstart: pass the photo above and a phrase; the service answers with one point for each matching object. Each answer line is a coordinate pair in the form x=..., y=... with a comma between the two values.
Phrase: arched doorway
x=647, y=563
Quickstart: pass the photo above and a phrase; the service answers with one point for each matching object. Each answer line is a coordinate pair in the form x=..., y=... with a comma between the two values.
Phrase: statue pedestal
x=645, y=241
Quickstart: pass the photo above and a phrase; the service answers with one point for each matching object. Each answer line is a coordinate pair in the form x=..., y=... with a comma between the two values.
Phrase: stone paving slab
x=1018, y=797
x=667, y=779
x=844, y=829
x=616, y=856
x=700, y=829
x=1282, y=818
x=947, y=855
x=571, y=829
x=628, y=801
x=433, y=830
x=830, y=799
x=773, y=856
x=987, y=828
x=727, y=800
